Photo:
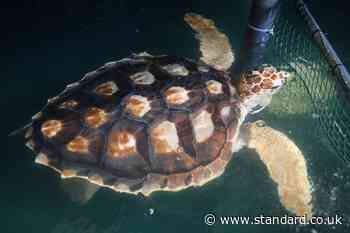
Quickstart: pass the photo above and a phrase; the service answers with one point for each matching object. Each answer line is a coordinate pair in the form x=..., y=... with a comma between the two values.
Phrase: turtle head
x=257, y=87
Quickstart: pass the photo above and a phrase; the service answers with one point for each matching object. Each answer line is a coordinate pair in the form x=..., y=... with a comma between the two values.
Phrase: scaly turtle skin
x=148, y=123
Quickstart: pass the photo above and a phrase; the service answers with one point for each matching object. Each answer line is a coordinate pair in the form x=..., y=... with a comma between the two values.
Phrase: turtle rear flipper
x=285, y=164
x=215, y=46
x=79, y=190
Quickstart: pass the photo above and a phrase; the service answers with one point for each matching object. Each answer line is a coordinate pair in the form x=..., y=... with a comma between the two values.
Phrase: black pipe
x=259, y=30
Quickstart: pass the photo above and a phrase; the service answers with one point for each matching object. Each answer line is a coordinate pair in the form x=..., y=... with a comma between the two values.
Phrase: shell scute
x=209, y=132
x=127, y=150
x=58, y=127
x=85, y=148
x=185, y=94
x=184, y=130
x=168, y=154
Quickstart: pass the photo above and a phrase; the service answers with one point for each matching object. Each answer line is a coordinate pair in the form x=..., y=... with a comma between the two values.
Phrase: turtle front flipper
x=79, y=190
x=215, y=46
x=260, y=104
x=285, y=163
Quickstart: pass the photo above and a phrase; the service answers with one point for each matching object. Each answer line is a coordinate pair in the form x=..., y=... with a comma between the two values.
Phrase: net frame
x=300, y=44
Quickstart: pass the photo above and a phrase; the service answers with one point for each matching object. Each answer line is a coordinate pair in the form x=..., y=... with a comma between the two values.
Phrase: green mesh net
x=316, y=94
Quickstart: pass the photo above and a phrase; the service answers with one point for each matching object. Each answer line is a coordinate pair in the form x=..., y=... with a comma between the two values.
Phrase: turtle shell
x=141, y=124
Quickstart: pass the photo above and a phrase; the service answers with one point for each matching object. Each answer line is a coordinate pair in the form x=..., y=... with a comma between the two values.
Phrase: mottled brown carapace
x=79, y=144
x=51, y=128
x=69, y=104
x=138, y=105
x=141, y=125
x=122, y=143
x=214, y=87
x=176, y=95
x=95, y=117
x=143, y=78
x=165, y=138
x=106, y=89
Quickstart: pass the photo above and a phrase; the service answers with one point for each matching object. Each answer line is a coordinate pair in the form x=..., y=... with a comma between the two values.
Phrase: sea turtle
x=149, y=123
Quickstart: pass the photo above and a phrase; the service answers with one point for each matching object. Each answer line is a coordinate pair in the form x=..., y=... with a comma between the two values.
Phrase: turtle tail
x=20, y=130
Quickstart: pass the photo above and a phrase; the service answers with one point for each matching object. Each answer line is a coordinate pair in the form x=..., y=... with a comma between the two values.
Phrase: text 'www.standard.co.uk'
x=211, y=219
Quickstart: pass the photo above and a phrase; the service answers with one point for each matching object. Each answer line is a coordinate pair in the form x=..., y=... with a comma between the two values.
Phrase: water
x=57, y=43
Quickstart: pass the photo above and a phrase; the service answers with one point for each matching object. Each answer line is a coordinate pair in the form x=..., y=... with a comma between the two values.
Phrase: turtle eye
x=285, y=74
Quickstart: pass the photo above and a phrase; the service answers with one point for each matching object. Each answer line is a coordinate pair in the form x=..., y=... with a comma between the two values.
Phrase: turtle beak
x=278, y=83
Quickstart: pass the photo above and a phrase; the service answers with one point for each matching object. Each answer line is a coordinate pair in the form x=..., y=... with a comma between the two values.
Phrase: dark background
x=27, y=24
